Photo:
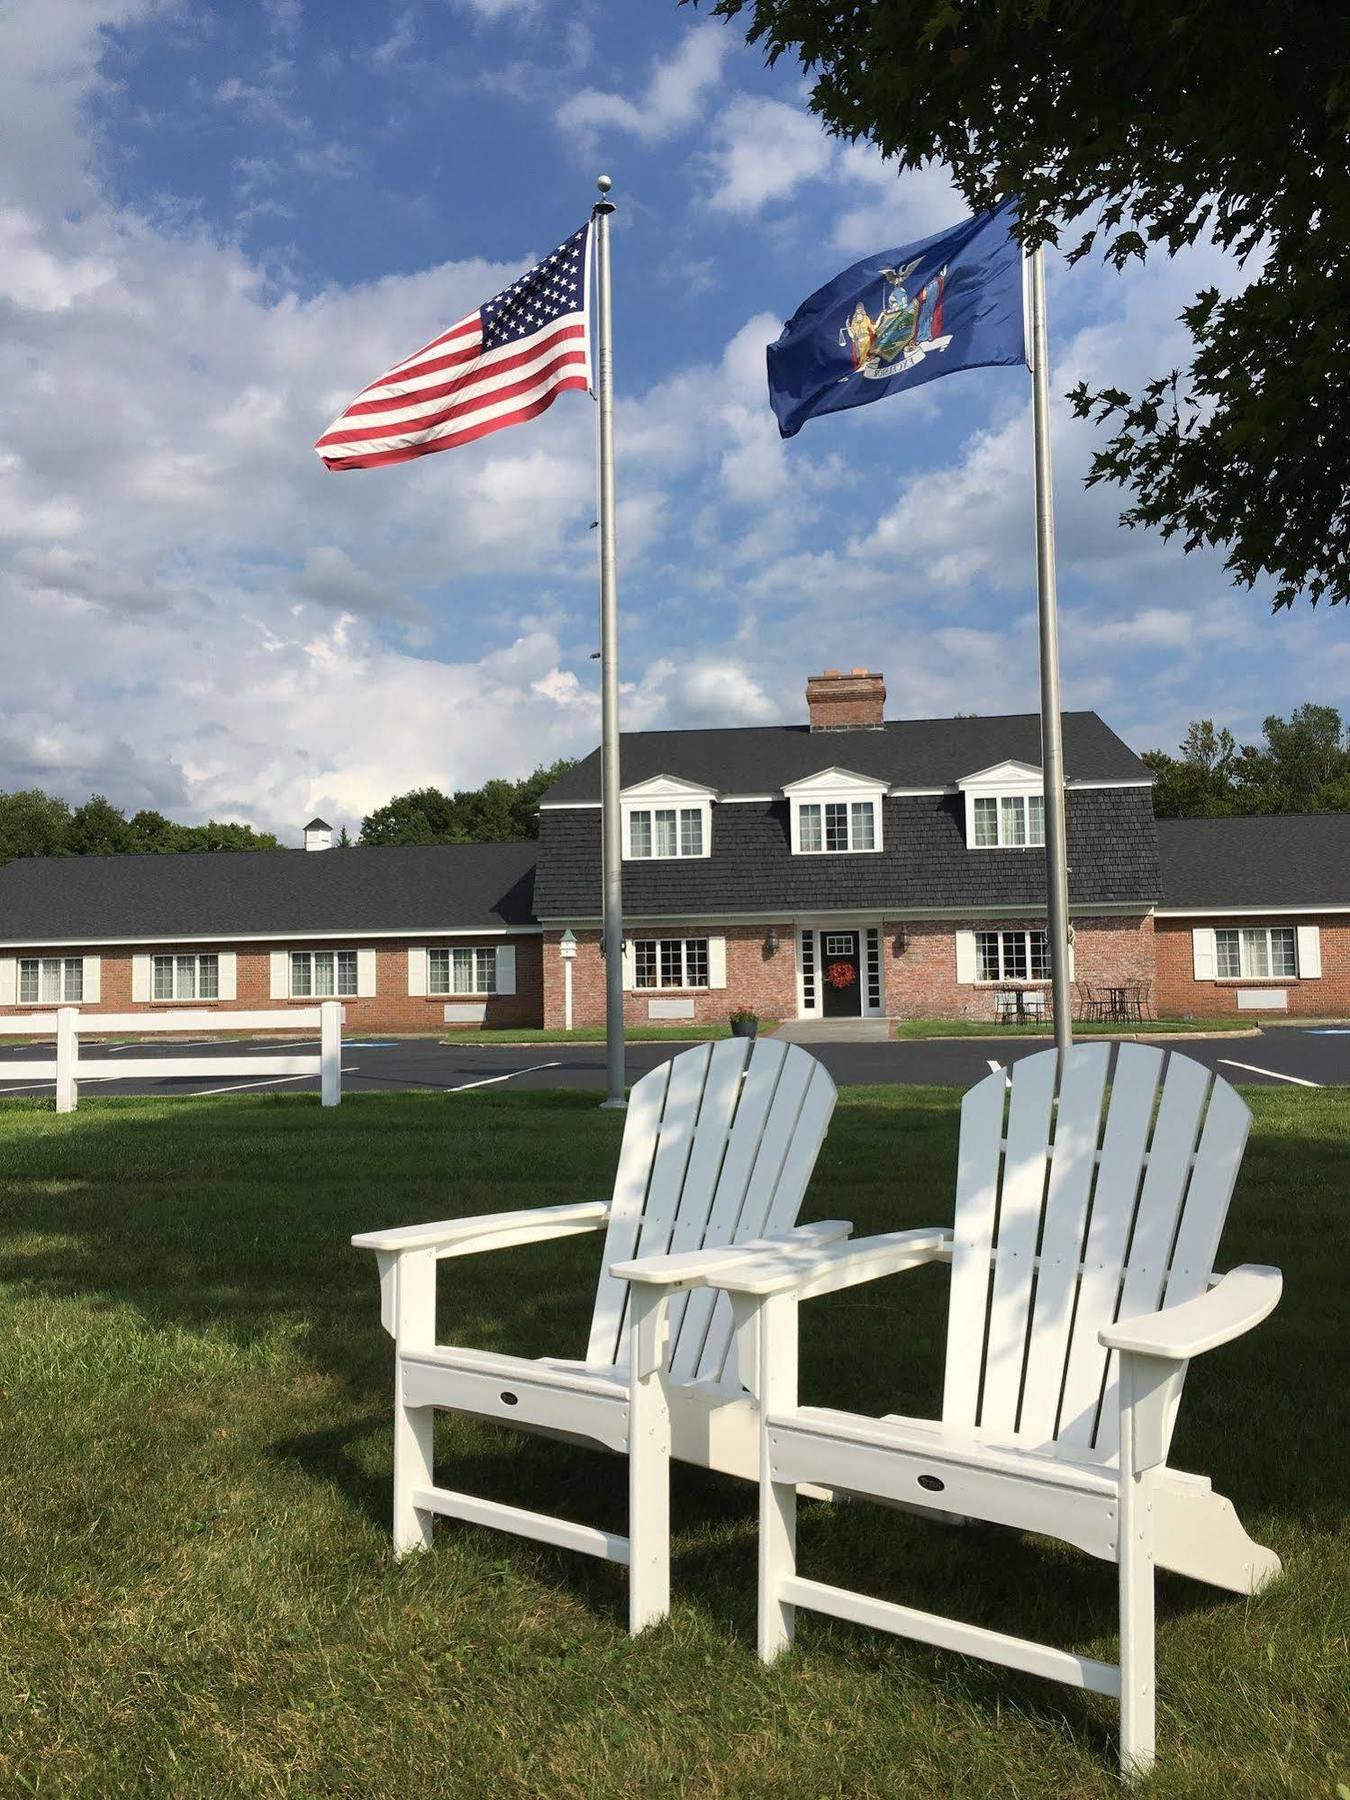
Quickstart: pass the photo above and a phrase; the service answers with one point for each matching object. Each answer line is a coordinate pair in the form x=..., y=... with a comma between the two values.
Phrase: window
x=1008, y=821
x=665, y=831
x=51, y=980
x=322, y=973
x=1012, y=956
x=1256, y=953
x=836, y=825
x=187, y=977
x=808, y=942
x=670, y=962
x=461, y=970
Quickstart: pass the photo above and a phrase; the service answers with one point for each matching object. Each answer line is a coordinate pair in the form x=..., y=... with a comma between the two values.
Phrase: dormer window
x=1005, y=808
x=665, y=831
x=665, y=818
x=1008, y=821
x=835, y=813
x=836, y=825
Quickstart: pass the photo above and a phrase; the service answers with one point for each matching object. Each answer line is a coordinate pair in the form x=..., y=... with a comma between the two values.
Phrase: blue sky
x=217, y=222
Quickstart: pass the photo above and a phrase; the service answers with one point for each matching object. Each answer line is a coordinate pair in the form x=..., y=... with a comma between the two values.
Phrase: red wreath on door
x=841, y=974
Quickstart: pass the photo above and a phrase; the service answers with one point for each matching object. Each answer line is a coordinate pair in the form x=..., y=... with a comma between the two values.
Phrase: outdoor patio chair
x=1089, y=1006
x=718, y=1147
x=1064, y=1371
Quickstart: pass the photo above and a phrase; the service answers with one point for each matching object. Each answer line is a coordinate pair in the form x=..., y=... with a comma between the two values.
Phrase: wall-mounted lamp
x=900, y=942
x=771, y=942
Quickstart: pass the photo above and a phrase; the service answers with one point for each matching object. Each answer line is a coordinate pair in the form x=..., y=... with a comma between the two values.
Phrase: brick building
x=848, y=867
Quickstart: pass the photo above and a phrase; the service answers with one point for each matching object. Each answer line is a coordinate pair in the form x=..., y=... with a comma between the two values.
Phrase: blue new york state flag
x=900, y=318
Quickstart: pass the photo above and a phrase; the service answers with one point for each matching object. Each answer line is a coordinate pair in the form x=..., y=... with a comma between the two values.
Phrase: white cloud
x=763, y=151
x=673, y=99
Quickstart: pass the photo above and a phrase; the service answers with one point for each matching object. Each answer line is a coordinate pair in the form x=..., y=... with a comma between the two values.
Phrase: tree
x=36, y=824
x=32, y=824
x=1153, y=125
x=499, y=811
x=1303, y=766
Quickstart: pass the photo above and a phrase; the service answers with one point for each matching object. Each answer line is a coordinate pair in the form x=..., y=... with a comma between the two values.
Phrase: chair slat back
x=718, y=1147
x=1074, y=1208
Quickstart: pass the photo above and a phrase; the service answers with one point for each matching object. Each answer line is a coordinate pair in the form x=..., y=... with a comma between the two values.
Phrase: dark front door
x=841, y=975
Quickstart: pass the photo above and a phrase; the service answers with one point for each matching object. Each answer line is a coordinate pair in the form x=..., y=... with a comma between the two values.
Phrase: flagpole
x=1047, y=609
x=610, y=818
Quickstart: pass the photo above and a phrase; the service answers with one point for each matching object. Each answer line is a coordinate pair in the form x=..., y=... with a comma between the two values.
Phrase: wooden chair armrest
x=1236, y=1302
x=810, y=1269
x=696, y=1268
x=487, y=1231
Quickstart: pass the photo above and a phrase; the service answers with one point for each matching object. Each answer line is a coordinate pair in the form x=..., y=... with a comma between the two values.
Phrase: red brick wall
x=920, y=980
x=391, y=1008
x=756, y=981
x=1180, y=993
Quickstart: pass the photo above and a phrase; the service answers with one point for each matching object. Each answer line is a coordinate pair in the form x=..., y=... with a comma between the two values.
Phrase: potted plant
x=744, y=1024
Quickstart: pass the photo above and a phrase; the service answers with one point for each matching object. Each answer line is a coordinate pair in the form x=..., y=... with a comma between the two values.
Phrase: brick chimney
x=846, y=700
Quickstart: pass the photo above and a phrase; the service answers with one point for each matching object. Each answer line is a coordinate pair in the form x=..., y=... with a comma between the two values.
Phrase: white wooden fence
x=68, y=1071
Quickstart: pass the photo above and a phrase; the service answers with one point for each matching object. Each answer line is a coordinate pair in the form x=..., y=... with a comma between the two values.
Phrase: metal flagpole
x=610, y=821
x=1052, y=744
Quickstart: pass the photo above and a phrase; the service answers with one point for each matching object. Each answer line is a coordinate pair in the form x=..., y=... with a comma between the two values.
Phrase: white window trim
x=196, y=999
x=452, y=992
x=1247, y=974
x=717, y=961
x=85, y=999
x=1004, y=781
x=836, y=787
x=666, y=793
x=1000, y=932
x=334, y=951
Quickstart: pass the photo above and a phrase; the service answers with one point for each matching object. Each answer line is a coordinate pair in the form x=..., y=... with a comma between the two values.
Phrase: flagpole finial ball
x=604, y=183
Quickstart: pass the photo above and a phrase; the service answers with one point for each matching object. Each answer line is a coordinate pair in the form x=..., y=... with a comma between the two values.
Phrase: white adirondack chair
x=1081, y=1286
x=718, y=1147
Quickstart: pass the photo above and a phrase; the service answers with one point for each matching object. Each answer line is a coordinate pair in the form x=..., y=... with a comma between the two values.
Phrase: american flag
x=501, y=365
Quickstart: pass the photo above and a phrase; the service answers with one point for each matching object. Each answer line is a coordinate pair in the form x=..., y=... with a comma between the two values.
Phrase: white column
x=330, y=1052
x=67, y=1052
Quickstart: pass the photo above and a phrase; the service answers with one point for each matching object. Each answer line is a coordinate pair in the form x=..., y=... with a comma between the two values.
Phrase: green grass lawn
x=196, y=1590
x=947, y=1028
x=688, y=1033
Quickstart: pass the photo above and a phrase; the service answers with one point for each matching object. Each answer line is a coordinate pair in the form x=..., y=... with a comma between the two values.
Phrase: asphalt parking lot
x=1317, y=1056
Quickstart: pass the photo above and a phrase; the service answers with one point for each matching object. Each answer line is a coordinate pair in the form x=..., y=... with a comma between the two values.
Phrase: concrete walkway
x=835, y=1031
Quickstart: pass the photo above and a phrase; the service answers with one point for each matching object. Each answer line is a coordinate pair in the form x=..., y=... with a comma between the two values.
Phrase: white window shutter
x=629, y=966
x=281, y=974
x=142, y=977
x=1309, y=952
x=717, y=962
x=965, y=956
x=417, y=972
x=506, y=968
x=365, y=974
x=92, y=986
x=1203, y=960
x=227, y=975
x=9, y=980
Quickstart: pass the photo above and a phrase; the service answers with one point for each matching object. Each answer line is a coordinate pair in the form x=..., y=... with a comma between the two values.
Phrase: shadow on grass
x=230, y=1220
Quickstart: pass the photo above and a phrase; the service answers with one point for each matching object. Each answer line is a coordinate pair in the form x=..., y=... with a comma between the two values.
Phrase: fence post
x=330, y=1052
x=67, y=1049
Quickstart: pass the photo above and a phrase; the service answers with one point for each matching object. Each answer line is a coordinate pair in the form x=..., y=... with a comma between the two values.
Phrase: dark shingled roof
x=1285, y=859
x=250, y=893
x=923, y=865
x=759, y=759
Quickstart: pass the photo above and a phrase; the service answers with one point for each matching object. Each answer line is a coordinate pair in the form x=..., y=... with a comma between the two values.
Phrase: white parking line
x=238, y=1087
x=1273, y=1074
x=492, y=1080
